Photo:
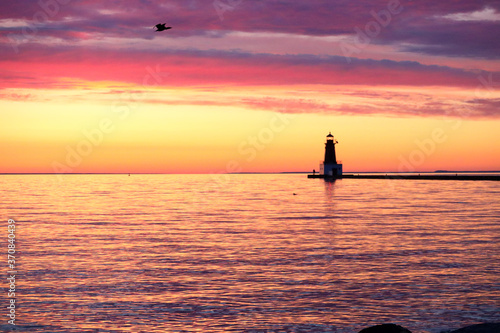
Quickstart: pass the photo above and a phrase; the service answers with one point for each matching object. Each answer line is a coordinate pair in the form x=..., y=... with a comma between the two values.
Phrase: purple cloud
x=420, y=26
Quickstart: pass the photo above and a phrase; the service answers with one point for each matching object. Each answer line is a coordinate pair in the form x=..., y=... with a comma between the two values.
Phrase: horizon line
x=240, y=173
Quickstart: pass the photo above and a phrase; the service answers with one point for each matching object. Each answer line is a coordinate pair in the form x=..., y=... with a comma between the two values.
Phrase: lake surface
x=242, y=253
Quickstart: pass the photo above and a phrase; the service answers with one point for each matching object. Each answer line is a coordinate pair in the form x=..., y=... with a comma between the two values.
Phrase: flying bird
x=161, y=27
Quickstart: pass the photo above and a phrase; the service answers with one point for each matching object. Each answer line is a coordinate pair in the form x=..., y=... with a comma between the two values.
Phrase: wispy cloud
x=486, y=14
x=352, y=102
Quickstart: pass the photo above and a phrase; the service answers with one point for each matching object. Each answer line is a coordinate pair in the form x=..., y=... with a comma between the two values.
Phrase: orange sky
x=233, y=100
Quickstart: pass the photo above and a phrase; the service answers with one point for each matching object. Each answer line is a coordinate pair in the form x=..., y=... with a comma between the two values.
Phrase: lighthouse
x=330, y=167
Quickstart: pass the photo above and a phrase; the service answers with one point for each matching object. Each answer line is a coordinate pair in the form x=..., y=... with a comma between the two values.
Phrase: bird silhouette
x=161, y=27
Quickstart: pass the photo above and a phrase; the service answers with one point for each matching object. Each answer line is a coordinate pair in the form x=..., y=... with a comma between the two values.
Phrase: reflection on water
x=165, y=253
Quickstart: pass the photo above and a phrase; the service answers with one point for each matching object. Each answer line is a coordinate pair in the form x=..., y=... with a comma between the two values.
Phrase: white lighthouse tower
x=330, y=167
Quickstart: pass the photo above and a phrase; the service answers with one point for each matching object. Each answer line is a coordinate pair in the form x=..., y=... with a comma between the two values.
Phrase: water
x=241, y=253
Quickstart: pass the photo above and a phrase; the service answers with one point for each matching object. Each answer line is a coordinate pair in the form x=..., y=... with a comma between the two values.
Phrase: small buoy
x=295, y=194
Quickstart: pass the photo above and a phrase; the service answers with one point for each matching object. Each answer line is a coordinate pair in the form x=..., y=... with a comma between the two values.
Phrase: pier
x=331, y=169
x=446, y=176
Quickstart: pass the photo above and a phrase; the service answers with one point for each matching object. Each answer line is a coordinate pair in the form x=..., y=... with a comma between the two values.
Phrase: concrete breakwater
x=410, y=176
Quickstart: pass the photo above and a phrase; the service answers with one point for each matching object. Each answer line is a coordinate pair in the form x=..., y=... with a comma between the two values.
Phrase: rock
x=480, y=328
x=387, y=328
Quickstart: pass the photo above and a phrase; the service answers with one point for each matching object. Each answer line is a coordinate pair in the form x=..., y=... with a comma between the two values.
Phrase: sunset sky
x=248, y=86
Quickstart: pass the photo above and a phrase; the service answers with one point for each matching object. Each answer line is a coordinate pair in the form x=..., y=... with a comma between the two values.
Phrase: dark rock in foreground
x=387, y=328
x=392, y=328
x=480, y=328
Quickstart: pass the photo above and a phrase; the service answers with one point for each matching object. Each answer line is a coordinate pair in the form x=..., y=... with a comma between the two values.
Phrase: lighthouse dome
x=330, y=135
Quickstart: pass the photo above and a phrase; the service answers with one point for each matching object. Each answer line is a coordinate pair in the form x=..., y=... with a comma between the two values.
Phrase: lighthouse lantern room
x=330, y=167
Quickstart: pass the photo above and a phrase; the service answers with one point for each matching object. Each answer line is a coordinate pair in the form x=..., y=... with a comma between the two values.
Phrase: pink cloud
x=46, y=67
